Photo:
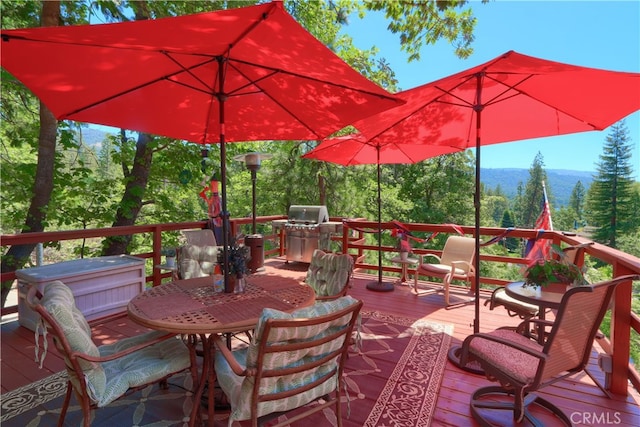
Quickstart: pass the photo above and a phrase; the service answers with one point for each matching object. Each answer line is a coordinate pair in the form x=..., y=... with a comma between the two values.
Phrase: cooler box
x=101, y=286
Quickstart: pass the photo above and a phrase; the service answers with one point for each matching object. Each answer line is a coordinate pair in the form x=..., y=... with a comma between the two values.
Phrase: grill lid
x=308, y=215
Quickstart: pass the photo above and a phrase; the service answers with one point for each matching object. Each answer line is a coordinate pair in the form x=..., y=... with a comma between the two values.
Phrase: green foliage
x=529, y=201
x=425, y=23
x=510, y=243
x=612, y=201
x=577, y=199
x=565, y=218
x=544, y=272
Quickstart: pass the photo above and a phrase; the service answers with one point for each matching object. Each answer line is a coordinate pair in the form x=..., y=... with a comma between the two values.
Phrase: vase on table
x=404, y=255
x=239, y=283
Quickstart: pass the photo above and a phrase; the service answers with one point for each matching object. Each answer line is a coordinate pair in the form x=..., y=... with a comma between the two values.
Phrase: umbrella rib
x=313, y=79
x=514, y=87
x=250, y=82
x=249, y=29
x=167, y=77
x=188, y=71
x=268, y=94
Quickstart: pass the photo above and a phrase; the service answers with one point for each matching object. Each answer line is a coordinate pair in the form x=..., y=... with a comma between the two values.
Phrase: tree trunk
x=137, y=178
x=131, y=202
x=17, y=256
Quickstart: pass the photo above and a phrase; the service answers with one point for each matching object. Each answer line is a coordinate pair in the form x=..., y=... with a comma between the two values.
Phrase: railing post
x=621, y=332
x=157, y=247
x=345, y=238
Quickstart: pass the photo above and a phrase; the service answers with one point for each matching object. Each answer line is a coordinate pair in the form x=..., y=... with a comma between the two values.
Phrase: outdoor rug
x=392, y=379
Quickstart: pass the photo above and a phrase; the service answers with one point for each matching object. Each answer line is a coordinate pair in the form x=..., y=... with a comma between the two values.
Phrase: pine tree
x=510, y=243
x=533, y=193
x=610, y=196
x=576, y=201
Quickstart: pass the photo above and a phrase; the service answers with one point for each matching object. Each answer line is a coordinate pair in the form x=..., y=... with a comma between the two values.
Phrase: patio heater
x=254, y=241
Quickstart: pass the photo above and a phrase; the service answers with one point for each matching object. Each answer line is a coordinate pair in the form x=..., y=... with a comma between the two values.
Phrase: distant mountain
x=559, y=187
x=93, y=137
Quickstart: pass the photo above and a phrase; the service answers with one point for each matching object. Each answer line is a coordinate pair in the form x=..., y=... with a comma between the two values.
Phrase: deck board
x=577, y=394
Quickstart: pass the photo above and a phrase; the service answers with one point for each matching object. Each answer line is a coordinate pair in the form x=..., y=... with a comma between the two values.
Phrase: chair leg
x=488, y=402
x=65, y=404
x=415, y=290
x=445, y=287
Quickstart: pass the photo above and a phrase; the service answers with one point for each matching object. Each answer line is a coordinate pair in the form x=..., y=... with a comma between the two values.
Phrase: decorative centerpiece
x=554, y=275
x=239, y=256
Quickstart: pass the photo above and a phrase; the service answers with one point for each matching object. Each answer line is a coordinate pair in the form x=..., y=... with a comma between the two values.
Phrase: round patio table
x=535, y=295
x=192, y=307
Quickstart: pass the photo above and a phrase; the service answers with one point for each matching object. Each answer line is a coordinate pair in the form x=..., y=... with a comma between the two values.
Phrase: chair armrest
x=231, y=360
x=125, y=352
x=463, y=265
x=540, y=322
x=424, y=257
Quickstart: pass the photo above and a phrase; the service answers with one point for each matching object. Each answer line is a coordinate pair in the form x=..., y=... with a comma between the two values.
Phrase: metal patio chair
x=522, y=366
x=455, y=263
x=293, y=360
x=101, y=375
x=329, y=274
x=199, y=255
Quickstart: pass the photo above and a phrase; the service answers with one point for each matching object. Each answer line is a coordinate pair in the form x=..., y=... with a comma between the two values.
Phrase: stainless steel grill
x=305, y=228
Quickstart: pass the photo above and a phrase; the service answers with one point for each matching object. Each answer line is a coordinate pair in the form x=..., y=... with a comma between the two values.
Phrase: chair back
x=199, y=256
x=458, y=248
x=204, y=237
x=299, y=357
x=581, y=311
x=71, y=334
x=329, y=274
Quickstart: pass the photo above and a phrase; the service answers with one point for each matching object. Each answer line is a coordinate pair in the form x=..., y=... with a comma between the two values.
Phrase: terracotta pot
x=404, y=256
x=555, y=288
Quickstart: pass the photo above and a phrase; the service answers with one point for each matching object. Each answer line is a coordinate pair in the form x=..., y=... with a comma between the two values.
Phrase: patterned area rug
x=392, y=380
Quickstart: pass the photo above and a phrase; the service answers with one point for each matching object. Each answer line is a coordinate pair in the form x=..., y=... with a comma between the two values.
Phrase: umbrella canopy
x=250, y=73
x=171, y=76
x=509, y=98
x=357, y=150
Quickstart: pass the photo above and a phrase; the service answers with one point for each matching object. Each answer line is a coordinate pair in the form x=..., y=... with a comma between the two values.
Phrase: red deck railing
x=623, y=320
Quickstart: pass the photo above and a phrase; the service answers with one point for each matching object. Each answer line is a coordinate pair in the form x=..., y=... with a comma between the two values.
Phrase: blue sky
x=598, y=34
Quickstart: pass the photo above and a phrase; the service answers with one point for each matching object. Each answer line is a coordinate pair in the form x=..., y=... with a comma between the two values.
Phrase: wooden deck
x=579, y=397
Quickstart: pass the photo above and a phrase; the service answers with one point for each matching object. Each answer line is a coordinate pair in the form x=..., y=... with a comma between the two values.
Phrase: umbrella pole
x=476, y=259
x=224, y=214
x=379, y=286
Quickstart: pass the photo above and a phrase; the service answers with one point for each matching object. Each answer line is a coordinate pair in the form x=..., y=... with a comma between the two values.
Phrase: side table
x=172, y=268
x=405, y=263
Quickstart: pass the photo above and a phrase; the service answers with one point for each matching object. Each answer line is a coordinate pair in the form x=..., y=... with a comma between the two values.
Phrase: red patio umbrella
x=357, y=150
x=509, y=98
x=250, y=73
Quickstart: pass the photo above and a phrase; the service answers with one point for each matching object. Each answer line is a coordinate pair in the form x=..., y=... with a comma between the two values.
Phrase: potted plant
x=554, y=275
x=169, y=256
